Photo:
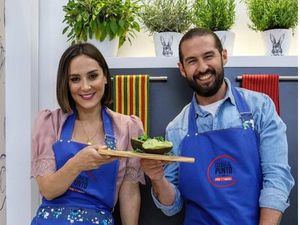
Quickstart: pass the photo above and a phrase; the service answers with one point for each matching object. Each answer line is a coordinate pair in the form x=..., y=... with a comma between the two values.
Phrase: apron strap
x=110, y=141
x=243, y=108
x=68, y=127
x=240, y=102
x=192, y=127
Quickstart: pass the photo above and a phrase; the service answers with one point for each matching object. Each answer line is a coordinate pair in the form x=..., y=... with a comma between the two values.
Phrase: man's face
x=203, y=65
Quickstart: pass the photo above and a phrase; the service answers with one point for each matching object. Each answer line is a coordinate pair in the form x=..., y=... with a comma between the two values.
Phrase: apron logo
x=80, y=184
x=220, y=172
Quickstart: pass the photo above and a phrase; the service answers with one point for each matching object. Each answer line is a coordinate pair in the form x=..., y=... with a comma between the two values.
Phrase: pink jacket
x=47, y=130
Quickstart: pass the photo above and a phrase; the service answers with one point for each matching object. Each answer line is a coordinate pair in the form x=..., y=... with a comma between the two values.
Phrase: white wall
x=51, y=46
x=21, y=93
x=2, y=116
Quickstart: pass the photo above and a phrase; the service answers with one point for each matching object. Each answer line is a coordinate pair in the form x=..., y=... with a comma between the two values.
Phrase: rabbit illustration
x=276, y=45
x=167, y=50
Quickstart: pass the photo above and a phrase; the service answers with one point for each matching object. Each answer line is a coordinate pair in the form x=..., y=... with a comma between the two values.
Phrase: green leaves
x=159, y=138
x=143, y=137
x=113, y=26
x=100, y=19
x=214, y=14
x=272, y=14
x=166, y=15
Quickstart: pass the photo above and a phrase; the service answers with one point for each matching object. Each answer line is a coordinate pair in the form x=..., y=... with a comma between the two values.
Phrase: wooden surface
x=132, y=154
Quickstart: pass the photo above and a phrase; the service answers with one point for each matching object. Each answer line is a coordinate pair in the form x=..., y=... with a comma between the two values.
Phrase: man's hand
x=162, y=188
x=153, y=169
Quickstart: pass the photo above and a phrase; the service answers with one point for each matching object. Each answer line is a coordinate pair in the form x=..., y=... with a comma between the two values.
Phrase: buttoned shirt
x=273, y=149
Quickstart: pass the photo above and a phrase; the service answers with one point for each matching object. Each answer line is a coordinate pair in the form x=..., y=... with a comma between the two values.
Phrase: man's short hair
x=199, y=32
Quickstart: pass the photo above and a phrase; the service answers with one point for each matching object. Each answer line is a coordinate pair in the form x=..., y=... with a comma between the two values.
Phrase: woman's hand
x=89, y=158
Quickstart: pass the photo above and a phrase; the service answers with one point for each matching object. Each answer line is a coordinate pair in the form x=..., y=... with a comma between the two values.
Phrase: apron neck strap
x=242, y=106
x=109, y=138
x=68, y=127
x=192, y=121
x=240, y=102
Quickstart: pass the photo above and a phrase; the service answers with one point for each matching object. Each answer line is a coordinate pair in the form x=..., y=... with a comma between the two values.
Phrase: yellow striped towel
x=131, y=96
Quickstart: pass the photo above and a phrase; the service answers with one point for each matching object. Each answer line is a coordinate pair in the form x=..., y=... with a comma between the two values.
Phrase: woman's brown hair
x=63, y=95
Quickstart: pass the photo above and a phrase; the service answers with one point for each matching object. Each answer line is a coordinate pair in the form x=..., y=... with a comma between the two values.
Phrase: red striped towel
x=265, y=83
x=131, y=96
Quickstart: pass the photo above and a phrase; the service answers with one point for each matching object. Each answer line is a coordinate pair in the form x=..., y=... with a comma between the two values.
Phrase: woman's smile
x=87, y=96
x=87, y=83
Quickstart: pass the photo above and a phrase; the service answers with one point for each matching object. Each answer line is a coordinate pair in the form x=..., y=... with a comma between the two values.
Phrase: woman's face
x=86, y=82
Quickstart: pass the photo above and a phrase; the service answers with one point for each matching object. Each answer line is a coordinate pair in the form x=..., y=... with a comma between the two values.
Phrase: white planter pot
x=166, y=44
x=227, y=39
x=108, y=48
x=277, y=41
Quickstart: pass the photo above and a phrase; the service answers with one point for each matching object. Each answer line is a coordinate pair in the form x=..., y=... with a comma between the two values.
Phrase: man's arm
x=162, y=189
x=277, y=178
x=165, y=194
x=269, y=216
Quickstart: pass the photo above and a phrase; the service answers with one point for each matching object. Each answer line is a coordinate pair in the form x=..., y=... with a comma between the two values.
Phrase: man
x=241, y=175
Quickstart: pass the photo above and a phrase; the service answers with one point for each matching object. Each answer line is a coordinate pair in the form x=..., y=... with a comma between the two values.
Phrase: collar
x=228, y=98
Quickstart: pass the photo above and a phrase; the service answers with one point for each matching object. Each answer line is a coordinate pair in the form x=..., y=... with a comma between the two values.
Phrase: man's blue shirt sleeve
x=277, y=179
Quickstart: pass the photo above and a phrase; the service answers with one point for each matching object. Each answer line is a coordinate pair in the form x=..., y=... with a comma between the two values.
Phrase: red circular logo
x=220, y=172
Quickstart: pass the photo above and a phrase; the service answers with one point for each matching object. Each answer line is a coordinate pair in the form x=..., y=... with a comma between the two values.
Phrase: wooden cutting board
x=131, y=154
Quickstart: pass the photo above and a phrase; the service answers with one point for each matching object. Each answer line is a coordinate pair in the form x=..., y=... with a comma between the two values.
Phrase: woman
x=78, y=185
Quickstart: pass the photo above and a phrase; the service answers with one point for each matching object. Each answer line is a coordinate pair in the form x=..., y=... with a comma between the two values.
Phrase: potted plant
x=276, y=19
x=218, y=16
x=166, y=20
x=101, y=22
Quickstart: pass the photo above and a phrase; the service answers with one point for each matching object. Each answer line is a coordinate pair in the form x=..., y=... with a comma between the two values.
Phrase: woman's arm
x=129, y=193
x=57, y=183
x=129, y=201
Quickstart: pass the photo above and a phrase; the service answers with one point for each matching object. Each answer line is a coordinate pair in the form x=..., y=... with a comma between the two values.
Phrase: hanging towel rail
x=159, y=78
x=283, y=78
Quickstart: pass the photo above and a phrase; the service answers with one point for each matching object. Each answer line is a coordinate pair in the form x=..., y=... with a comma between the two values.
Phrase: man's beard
x=207, y=91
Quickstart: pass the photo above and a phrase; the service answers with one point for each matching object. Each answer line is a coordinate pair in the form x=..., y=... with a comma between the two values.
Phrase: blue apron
x=90, y=198
x=222, y=187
